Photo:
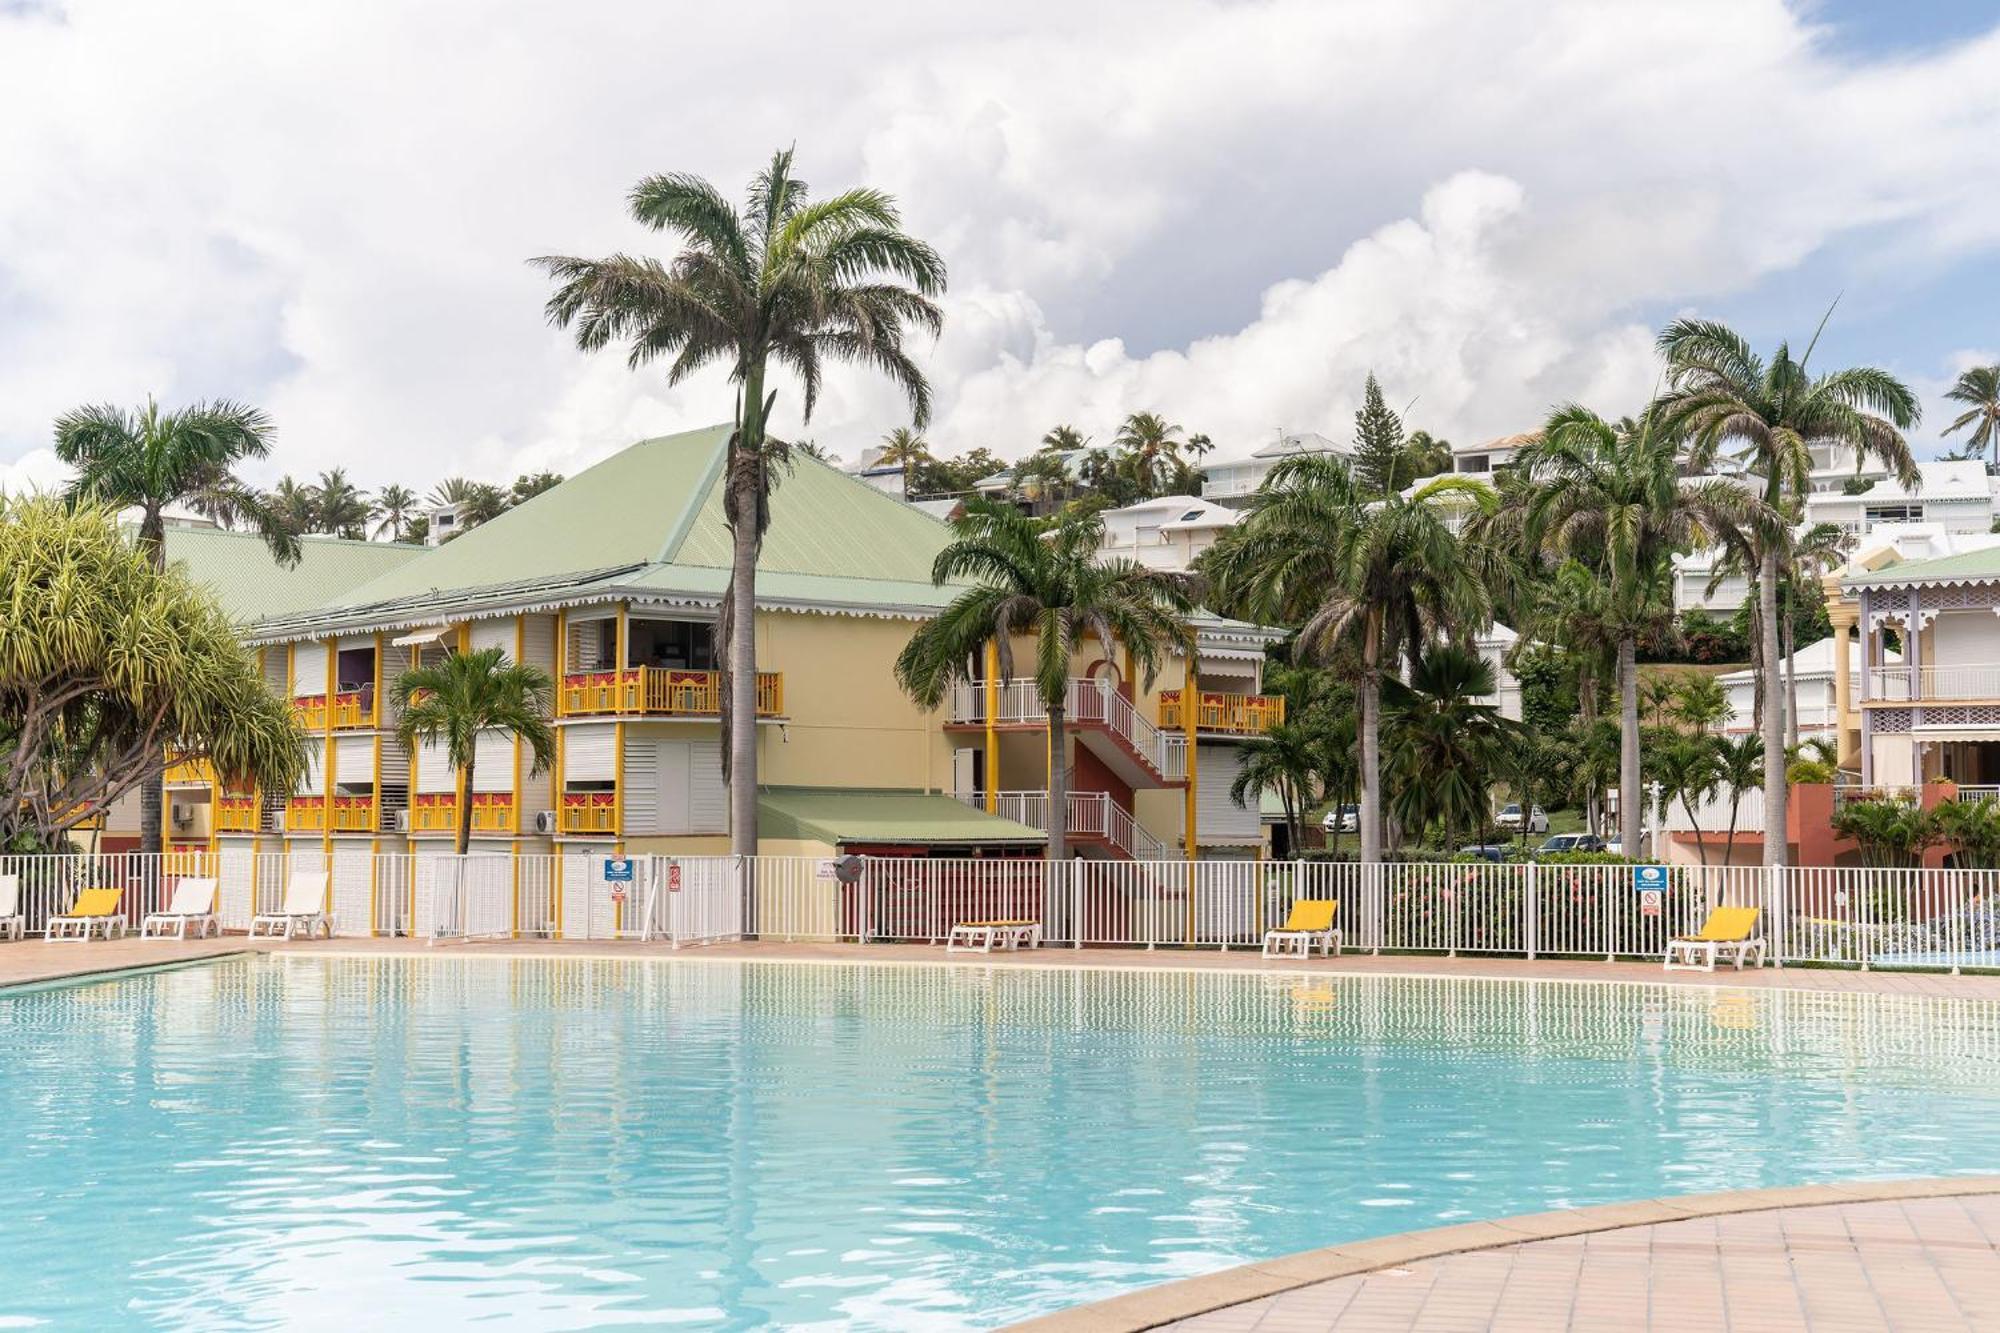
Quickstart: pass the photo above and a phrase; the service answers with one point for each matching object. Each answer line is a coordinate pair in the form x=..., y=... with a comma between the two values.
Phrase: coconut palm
x=394, y=507
x=1286, y=759
x=1739, y=769
x=341, y=509
x=906, y=449
x=455, y=699
x=1688, y=771
x=1149, y=448
x=1770, y=415
x=1979, y=389
x=1043, y=475
x=1700, y=703
x=788, y=279
x=1066, y=438
x=1447, y=744
x=293, y=505
x=1041, y=579
x=476, y=501
x=151, y=459
x=531, y=484
x=1612, y=497
x=1369, y=580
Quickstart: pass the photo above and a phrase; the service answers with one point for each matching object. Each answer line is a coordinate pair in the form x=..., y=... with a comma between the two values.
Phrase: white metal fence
x=1944, y=919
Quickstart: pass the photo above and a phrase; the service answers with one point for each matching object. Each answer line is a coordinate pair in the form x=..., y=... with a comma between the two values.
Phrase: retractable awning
x=429, y=634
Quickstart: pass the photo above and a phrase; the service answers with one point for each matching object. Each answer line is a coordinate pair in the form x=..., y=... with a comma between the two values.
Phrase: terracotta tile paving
x=1895, y=1264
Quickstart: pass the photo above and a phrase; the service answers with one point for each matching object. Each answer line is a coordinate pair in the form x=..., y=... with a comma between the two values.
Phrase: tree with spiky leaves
x=906, y=449
x=1448, y=743
x=790, y=280
x=1149, y=454
x=454, y=700
x=1979, y=389
x=394, y=507
x=152, y=459
x=1370, y=579
x=341, y=509
x=1723, y=397
x=1041, y=579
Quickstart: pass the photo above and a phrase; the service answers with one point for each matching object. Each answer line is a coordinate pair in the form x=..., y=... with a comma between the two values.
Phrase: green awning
x=839, y=815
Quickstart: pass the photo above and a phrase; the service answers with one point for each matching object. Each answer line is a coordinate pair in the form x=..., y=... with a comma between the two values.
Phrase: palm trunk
x=1631, y=802
x=1058, y=787
x=1729, y=848
x=1700, y=847
x=153, y=786
x=1371, y=745
x=1772, y=722
x=744, y=541
x=465, y=810
x=1790, y=633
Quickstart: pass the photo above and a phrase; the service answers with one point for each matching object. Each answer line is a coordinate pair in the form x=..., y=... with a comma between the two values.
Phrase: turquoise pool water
x=436, y=1142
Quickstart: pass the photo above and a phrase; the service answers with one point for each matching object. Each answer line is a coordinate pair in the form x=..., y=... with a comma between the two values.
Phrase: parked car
x=1509, y=818
x=1572, y=842
x=1492, y=851
x=1342, y=819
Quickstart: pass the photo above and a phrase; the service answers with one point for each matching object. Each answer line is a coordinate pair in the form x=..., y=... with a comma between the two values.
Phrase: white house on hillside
x=1166, y=533
x=1238, y=479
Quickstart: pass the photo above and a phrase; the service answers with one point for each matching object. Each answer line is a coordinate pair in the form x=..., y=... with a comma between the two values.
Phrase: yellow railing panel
x=661, y=692
x=1231, y=714
x=589, y=812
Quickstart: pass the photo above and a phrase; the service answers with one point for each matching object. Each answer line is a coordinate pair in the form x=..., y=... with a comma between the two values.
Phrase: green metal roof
x=649, y=519
x=825, y=814
x=1965, y=567
x=251, y=585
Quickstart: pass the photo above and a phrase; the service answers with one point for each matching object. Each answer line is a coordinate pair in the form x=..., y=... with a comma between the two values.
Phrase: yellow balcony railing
x=236, y=814
x=353, y=708
x=1230, y=714
x=183, y=772
x=354, y=814
x=305, y=814
x=662, y=692
x=590, y=812
x=310, y=710
x=437, y=812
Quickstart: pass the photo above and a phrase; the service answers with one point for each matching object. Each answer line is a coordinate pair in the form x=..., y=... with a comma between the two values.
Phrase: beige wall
x=848, y=724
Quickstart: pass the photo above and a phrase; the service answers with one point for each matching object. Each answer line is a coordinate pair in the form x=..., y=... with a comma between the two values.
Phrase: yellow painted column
x=520, y=655
x=621, y=651
x=1191, y=834
x=993, y=727
x=328, y=767
x=562, y=658
x=375, y=702
x=618, y=779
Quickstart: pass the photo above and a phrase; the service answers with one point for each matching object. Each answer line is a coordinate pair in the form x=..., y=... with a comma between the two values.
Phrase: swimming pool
x=310, y=1143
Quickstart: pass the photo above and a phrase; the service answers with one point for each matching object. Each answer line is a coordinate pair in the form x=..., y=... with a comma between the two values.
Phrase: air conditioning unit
x=402, y=823
x=278, y=820
x=545, y=821
x=181, y=815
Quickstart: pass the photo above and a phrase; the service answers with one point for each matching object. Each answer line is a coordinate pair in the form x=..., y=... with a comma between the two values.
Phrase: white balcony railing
x=1087, y=702
x=1898, y=683
x=1092, y=814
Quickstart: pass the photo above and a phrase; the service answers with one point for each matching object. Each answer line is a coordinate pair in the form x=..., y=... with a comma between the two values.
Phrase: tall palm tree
x=151, y=459
x=456, y=698
x=790, y=280
x=531, y=484
x=395, y=506
x=1448, y=744
x=1979, y=389
x=1369, y=580
x=906, y=449
x=343, y=509
x=1040, y=578
x=1739, y=767
x=1688, y=770
x=1149, y=449
x=1725, y=397
x=1286, y=759
x=1700, y=703
x=1612, y=497
x=1066, y=438
x=1809, y=552
x=294, y=506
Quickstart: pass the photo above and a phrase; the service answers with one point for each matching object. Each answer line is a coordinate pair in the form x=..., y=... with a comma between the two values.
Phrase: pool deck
x=1891, y=1255
x=1901, y=1255
x=36, y=960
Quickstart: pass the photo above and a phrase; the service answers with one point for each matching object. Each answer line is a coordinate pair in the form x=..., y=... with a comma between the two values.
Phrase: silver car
x=1509, y=818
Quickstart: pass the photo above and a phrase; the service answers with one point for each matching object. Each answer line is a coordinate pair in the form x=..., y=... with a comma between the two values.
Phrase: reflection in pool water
x=314, y=1142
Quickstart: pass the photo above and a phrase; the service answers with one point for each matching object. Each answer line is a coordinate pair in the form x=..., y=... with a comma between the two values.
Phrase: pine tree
x=1380, y=461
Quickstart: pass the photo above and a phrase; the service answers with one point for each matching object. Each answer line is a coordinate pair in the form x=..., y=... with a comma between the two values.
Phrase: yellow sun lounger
x=95, y=910
x=1311, y=920
x=1729, y=932
x=983, y=936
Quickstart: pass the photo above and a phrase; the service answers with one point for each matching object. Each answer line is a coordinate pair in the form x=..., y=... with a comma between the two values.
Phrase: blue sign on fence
x=1649, y=879
x=618, y=870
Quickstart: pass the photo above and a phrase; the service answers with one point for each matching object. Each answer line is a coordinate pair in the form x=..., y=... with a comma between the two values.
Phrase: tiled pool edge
x=1168, y=1302
x=102, y=971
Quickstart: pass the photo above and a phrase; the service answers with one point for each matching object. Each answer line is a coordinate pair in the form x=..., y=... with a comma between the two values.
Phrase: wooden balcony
x=1226, y=714
x=237, y=814
x=661, y=692
x=589, y=812
x=353, y=709
x=185, y=772
x=310, y=710
x=305, y=814
x=437, y=812
x=342, y=814
x=354, y=814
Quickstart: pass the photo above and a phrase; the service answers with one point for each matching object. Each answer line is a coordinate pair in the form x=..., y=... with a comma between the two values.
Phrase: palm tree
x=1723, y=396
x=906, y=449
x=1286, y=759
x=1040, y=578
x=1808, y=554
x=531, y=484
x=150, y=459
x=293, y=506
x=1149, y=449
x=1447, y=743
x=1066, y=438
x=1044, y=474
x=1699, y=702
x=1739, y=767
x=395, y=506
x=796, y=281
x=455, y=699
x=1611, y=496
x=1687, y=769
x=1369, y=580
x=1979, y=387
x=342, y=509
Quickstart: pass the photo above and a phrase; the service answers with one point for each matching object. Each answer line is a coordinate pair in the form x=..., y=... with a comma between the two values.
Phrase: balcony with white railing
x=1086, y=704
x=1904, y=684
x=1092, y=814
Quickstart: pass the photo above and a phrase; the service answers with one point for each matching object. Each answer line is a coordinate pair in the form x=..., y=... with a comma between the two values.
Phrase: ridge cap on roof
x=677, y=531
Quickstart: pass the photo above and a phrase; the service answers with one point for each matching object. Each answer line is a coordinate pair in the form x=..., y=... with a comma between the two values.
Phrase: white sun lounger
x=13, y=922
x=304, y=908
x=985, y=936
x=193, y=904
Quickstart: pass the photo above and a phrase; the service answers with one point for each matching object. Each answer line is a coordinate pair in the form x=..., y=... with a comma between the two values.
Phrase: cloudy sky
x=1227, y=211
